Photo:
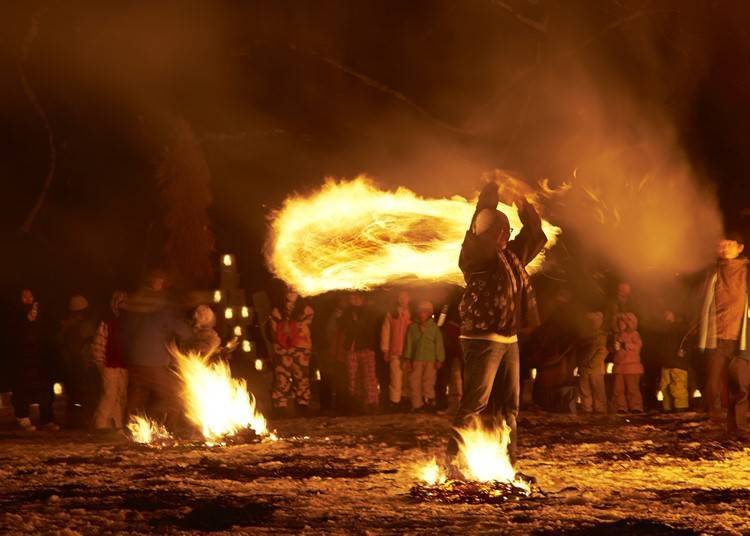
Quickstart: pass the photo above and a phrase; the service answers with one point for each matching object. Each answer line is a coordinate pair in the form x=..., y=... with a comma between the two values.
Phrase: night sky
x=427, y=94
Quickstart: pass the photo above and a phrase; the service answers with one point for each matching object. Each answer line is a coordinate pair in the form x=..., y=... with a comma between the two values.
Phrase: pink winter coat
x=628, y=357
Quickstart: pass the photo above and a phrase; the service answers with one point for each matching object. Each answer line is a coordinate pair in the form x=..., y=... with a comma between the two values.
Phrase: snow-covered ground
x=645, y=475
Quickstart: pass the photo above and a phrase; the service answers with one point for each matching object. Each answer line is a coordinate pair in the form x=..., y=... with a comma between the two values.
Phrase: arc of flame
x=352, y=235
x=217, y=403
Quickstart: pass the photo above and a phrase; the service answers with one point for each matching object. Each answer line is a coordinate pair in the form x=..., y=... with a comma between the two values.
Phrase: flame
x=485, y=453
x=215, y=402
x=146, y=431
x=483, y=457
x=431, y=473
x=352, y=235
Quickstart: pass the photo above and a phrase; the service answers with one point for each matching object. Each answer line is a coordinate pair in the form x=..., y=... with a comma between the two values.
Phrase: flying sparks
x=352, y=235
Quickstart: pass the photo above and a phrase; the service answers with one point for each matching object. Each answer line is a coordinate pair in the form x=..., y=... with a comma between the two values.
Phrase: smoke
x=281, y=95
x=640, y=207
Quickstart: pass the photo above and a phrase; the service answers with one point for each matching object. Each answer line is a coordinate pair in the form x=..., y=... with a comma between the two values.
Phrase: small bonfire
x=220, y=406
x=486, y=474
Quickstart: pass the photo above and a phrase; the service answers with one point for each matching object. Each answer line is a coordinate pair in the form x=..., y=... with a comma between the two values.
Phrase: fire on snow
x=352, y=235
x=147, y=431
x=219, y=405
x=483, y=457
x=214, y=401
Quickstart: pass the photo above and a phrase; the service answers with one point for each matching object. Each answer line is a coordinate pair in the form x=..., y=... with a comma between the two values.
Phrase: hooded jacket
x=628, y=357
x=150, y=323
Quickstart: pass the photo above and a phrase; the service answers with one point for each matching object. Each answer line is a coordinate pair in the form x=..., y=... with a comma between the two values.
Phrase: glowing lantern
x=58, y=389
x=660, y=396
x=237, y=331
x=317, y=374
x=697, y=394
x=247, y=347
x=228, y=313
x=217, y=296
x=259, y=364
x=610, y=368
x=227, y=260
x=245, y=311
x=533, y=374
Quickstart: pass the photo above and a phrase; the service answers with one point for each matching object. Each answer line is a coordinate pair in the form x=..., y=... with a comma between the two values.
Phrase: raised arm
x=478, y=252
x=531, y=240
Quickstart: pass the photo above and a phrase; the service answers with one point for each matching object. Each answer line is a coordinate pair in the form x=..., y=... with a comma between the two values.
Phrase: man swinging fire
x=498, y=302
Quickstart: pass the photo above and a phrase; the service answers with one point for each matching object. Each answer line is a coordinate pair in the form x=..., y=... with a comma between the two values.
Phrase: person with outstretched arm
x=498, y=302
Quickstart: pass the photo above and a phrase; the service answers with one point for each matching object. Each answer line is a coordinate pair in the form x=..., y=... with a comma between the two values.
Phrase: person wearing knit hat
x=77, y=303
x=81, y=378
x=109, y=355
x=392, y=343
x=498, y=302
x=424, y=355
x=204, y=340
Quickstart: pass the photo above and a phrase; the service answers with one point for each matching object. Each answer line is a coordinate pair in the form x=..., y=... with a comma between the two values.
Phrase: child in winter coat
x=591, y=351
x=674, y=364
x=107, y=351
x=204, y=339
x=292, y=347
x=357, y=343
x=424, y=354
x=628, y=367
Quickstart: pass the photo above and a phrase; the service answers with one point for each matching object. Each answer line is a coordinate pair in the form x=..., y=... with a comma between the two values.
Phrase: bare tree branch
x=379, y=86
x=531, y=23
x=566, y=54
x=31, y=95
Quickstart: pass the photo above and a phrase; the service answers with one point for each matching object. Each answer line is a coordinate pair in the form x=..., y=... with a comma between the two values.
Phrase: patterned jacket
x=499, y=298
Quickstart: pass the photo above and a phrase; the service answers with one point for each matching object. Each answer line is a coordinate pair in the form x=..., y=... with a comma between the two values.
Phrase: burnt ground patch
x=223, y=513
x=704, y=496
x=708, y=450
x=80, y=460
x=623, y=527
x=298, y=468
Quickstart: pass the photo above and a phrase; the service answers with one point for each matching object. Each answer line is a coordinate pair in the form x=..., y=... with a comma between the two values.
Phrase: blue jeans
x=491, y=389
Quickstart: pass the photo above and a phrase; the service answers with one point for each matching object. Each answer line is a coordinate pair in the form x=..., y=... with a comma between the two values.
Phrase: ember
x=351, y=235
x=485, y=466
x=458, y=491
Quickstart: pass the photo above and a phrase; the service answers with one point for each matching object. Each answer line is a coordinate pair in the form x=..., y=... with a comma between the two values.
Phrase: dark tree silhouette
x=184, y=183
